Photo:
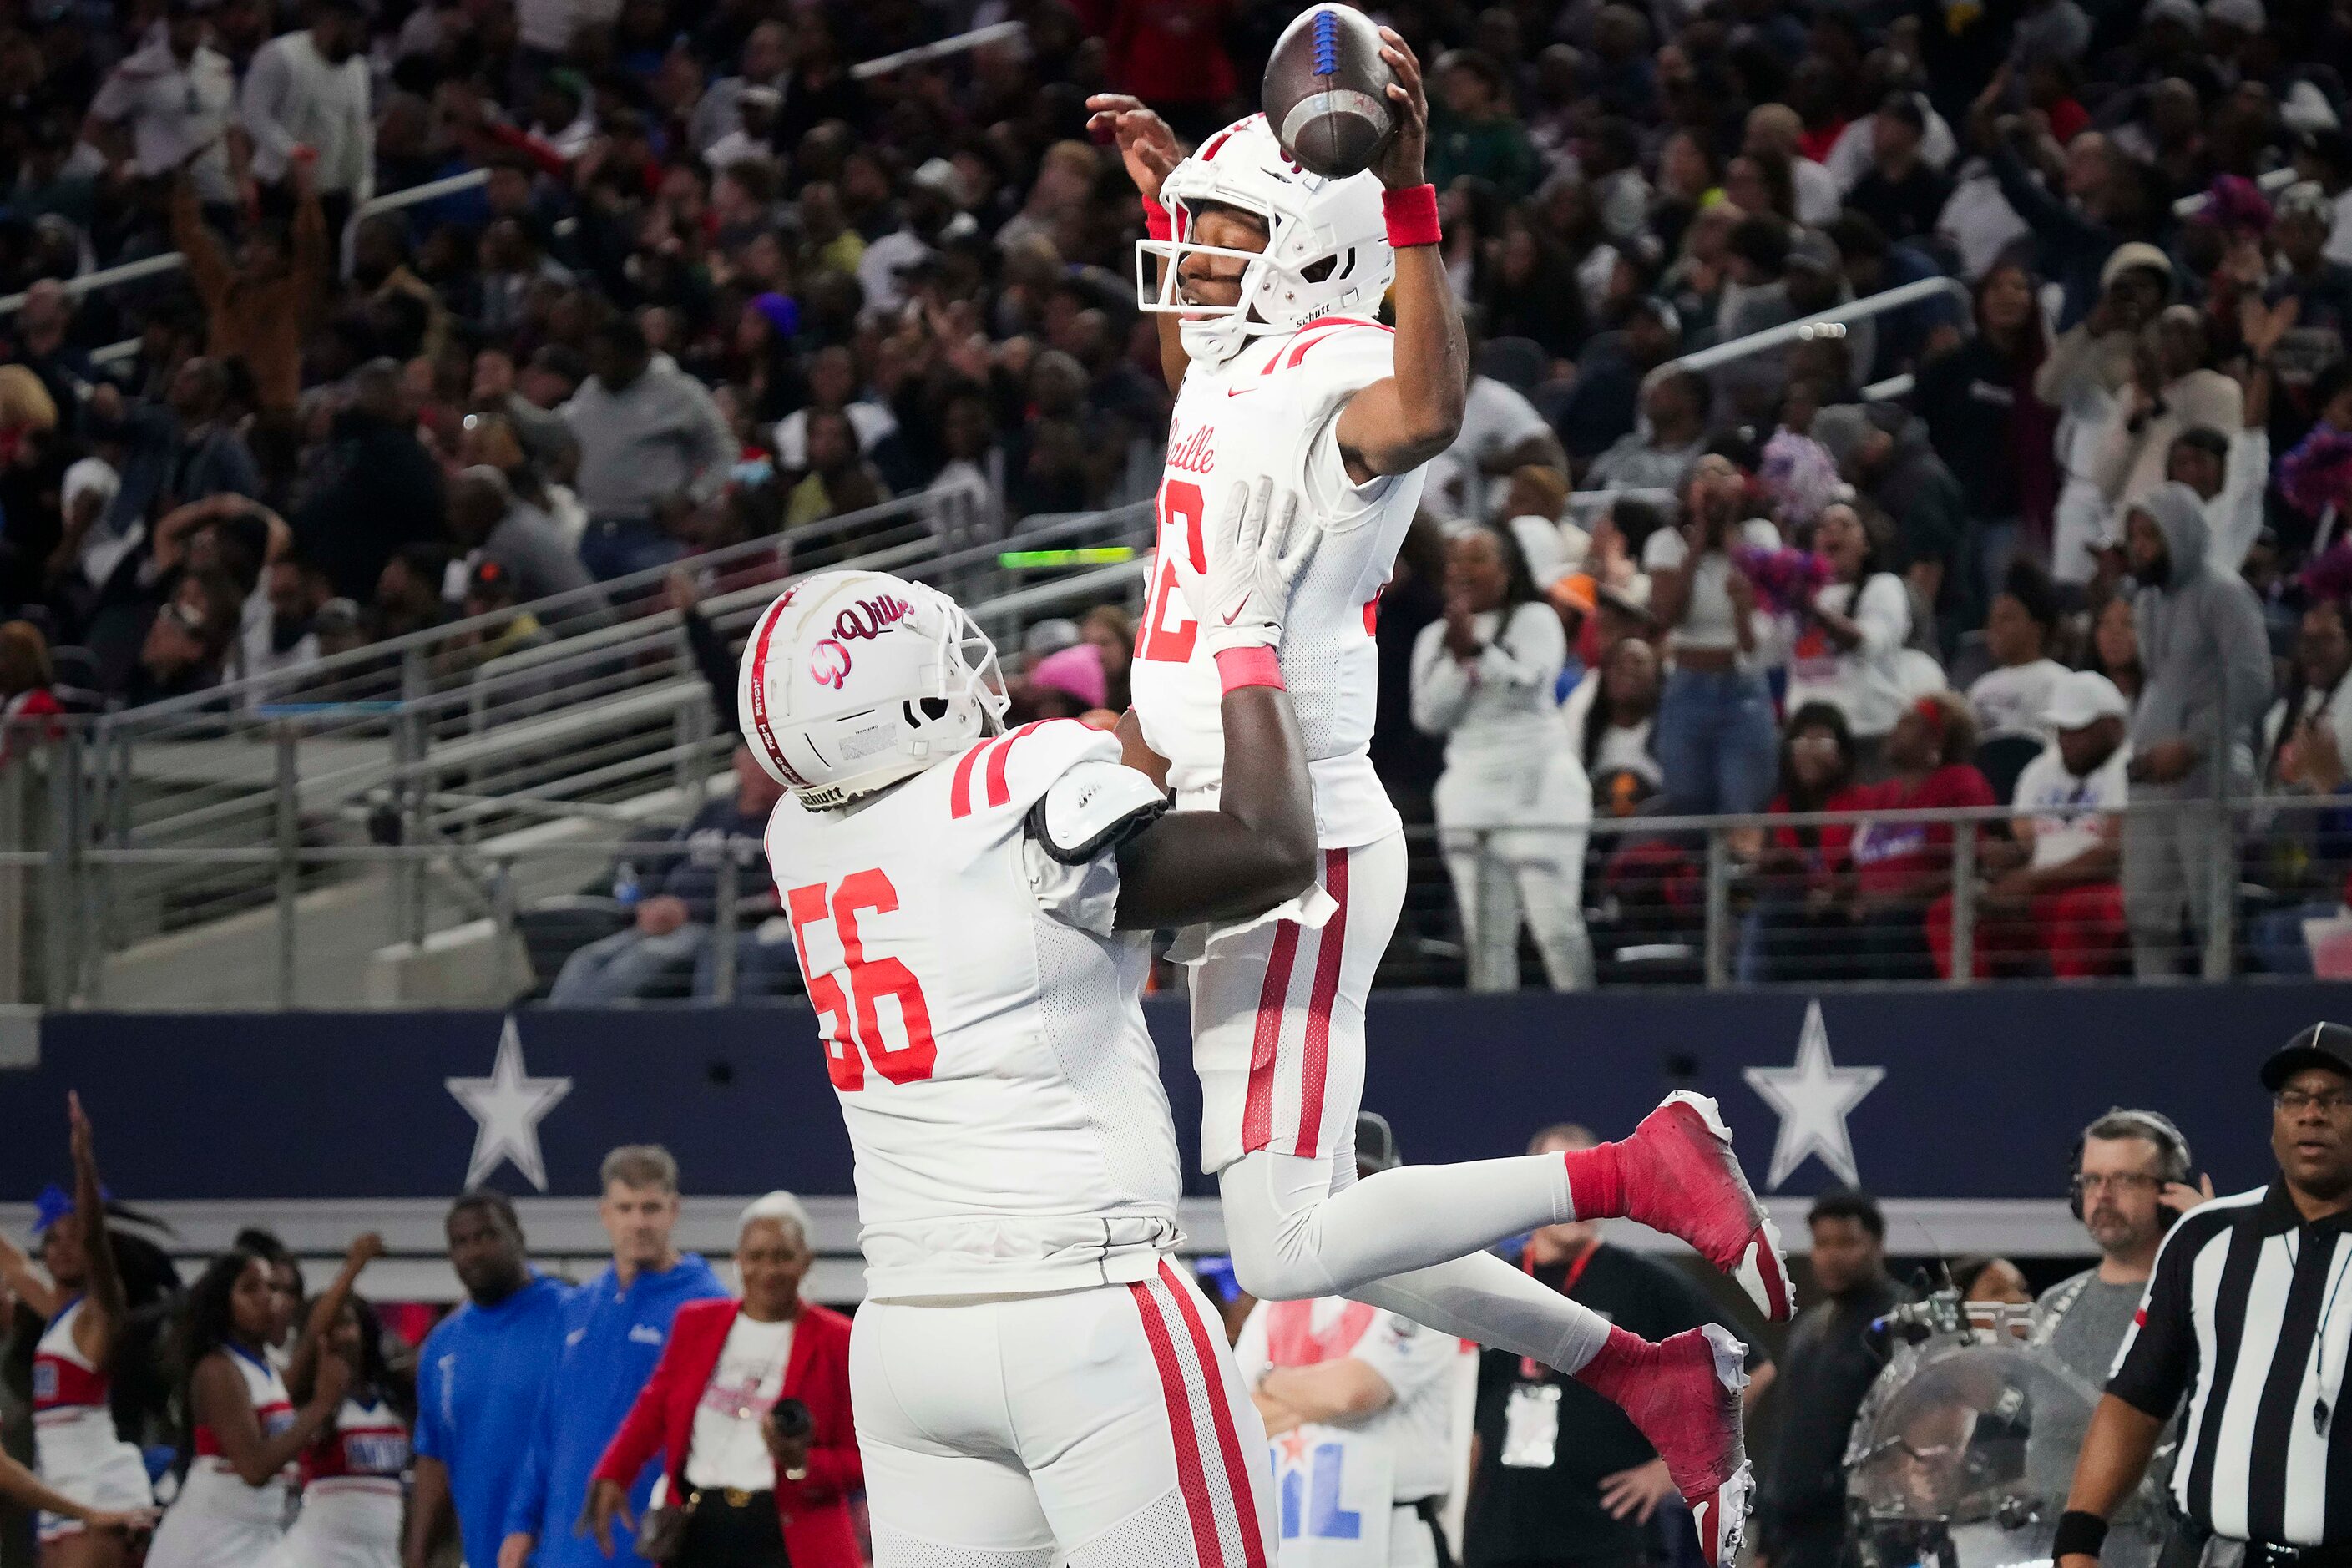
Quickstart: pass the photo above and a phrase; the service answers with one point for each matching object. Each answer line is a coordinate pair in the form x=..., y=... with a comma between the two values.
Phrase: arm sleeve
x=714, y=662
x=834, y=1466
x=208, y=267
x=1408, y=1357
x=638, y=1439
x=1442, y=684
x=2238, y=516
x=2159, y=1349
x=527, y=1501
x=265, y=90
x=1527, y=654
x=1883, y=612
x=2246, y=656
x=713, y=447
x=2042, y=212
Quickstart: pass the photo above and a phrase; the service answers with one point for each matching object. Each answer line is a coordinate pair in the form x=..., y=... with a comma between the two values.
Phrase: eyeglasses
x=2118, y=1185
x=2295, y=1102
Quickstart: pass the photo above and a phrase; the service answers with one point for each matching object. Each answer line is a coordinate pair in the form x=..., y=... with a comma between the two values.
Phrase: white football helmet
x=1326, y=246
x=853, y=681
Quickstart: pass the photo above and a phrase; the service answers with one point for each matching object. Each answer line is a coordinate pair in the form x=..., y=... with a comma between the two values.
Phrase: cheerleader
x=78, y=1454
x=351, y=1477
x=245, y=1433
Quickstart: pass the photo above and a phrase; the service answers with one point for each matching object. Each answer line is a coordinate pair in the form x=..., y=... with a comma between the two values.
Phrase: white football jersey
x=1272, y=411
x=982, y=1027
x=1414, y=1362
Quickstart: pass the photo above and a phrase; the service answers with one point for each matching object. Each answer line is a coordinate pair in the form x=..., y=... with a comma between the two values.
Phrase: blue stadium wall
x=1933, y=1094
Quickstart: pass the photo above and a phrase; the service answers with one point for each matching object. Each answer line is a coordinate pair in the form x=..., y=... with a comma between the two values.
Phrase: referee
x=2247, y=1316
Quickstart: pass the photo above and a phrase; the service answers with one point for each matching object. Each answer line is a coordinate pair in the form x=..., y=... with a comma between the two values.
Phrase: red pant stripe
x=1229, y=1442
x=1328, y=953
x=1273, y=1003
x=1191, y=1476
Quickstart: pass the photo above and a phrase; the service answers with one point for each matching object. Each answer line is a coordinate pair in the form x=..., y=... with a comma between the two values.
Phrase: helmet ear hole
x=1316, y=271
x=934, y=707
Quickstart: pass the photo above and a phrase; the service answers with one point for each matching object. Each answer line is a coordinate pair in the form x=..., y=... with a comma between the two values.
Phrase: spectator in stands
x=839, y=477
x=2208, y=675
x=1994, y=431
x=613, y=1330
x=1851, y=634
x=1829, y=1364
x=379, y=490
x=1600, y=404
x=2171, y=392
x=2013, y=697
x=174, y=95
x=2056, y=890
x=669, y=939
x=1513, y=802
x=653, y=448
x=1501, y=432
x=1474, y=131
x=306, y=100
x=2097, y=206
x=1902, y=193
x=2231, y=470
x=1884, y=454
x=1677, y=406
x=1585, y=1490
x=481, y=1377
x=1902, y=869
x=1993, y=1279
x=2114, y=646
x=1792, y=931
x=1714, y=737
x=1111, y=630
x=1620, y=722
x=749, y=1413
x=25, y=678
x=259, y=306
x=1773, y=132
x=2305, y=853
x=489, y=524
x=187, y=642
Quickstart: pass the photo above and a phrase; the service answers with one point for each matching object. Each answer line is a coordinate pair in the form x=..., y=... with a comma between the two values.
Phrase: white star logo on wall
x=1814, y=1099
x=507, y=1107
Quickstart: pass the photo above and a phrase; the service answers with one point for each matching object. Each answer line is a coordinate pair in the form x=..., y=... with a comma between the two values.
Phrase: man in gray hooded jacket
x=2206, y=682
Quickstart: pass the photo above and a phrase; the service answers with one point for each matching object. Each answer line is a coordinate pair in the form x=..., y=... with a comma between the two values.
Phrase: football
x=1326, y=91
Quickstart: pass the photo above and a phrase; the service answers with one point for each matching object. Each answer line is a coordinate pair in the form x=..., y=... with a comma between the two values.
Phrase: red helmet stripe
x=759, y=638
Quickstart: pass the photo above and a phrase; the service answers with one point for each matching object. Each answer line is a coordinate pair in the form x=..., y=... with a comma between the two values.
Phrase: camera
x=792, y=1421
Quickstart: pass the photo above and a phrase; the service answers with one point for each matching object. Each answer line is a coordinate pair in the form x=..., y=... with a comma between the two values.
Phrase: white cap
x=2082, y=698
x=1545, y=551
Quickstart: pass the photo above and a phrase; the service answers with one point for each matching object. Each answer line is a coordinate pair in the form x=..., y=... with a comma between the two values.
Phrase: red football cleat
x=1684, y=1395
x=1680, y=1176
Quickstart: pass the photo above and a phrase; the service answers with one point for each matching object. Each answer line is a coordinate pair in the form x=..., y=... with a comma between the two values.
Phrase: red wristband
x=1157, y=224
x=1240, y=667
x=1412, y=215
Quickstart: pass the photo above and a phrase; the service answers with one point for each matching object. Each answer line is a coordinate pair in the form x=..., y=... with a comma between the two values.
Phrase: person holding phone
x=750, y=1409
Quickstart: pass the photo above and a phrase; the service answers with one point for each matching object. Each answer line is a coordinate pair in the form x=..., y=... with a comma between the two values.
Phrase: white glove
x=1257, y=548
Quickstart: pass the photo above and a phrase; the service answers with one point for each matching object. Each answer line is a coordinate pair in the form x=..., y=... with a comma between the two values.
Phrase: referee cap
x=1376, y=1145
x=2326, y=1046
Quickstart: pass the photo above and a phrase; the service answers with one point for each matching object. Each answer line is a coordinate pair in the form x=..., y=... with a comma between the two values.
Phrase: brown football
x=1326, y=91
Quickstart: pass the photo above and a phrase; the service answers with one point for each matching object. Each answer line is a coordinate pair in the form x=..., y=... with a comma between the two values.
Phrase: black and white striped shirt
x=2249, y=1314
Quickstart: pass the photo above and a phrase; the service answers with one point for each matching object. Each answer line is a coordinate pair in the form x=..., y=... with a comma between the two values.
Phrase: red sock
x=1624, y=1361
x=1596, y=1181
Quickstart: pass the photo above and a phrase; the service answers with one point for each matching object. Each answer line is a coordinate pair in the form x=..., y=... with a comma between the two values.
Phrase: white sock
x=1483, y=1298
x=1294, y=1238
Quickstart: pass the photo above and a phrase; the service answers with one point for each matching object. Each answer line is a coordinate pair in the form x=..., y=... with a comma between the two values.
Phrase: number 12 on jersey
x=853, y=1035
x=1168, y=632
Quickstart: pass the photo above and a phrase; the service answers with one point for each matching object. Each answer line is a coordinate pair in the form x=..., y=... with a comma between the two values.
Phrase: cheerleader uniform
x=351, y=1496
x=218, y=1521
x=75, y=1445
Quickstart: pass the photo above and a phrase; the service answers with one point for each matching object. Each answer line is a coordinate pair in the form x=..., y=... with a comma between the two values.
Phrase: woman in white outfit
x=76, y=1451
x=246, y=1434
x=1513, y=802
x=351, y=1495
x=1850, y=638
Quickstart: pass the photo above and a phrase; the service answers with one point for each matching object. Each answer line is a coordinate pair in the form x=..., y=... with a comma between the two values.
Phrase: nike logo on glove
x=1234, y=613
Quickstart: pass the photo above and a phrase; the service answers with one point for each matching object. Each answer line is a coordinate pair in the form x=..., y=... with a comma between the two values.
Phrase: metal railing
x=314, y=918
x=1829, y=323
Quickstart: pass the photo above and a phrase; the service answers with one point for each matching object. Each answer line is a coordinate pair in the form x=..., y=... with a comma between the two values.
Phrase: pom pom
x=1785, y=580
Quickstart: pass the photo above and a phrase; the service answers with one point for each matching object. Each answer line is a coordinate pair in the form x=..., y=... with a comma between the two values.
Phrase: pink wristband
x=1412, y=215
x=1156, y=222
x=1240, y=667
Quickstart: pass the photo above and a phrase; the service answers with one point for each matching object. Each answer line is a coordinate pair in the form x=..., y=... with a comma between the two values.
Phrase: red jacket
x=815, y=1510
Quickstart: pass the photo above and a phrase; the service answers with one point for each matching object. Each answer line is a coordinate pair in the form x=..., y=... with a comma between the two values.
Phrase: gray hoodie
x=2201, y=643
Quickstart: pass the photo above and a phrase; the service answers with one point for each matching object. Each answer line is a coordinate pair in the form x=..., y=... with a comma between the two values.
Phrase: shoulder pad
x=1098, y=805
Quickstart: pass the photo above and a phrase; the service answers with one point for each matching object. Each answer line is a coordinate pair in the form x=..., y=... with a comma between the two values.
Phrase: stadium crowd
x=2072, y=542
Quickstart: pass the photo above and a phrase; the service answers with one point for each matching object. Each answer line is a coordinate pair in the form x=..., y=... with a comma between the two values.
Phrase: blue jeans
x=1716, y=743
x=610, y=549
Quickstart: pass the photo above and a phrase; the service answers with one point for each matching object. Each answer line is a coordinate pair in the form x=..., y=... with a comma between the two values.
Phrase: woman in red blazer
x=749, y=1407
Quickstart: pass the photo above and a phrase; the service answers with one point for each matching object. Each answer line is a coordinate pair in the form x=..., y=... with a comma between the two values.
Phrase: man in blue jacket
x=615, y=1329
x=480, y=1380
